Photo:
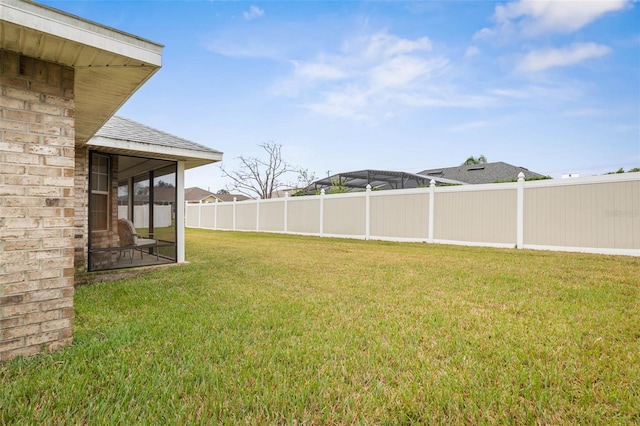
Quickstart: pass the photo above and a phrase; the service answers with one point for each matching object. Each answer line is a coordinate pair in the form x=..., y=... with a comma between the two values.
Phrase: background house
x=482, y=173
x=199, y=195
x=378, y=179
x=387, y=179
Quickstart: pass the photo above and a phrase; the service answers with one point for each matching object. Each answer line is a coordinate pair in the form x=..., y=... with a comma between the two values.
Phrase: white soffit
x=192, y=158
x=110, y=65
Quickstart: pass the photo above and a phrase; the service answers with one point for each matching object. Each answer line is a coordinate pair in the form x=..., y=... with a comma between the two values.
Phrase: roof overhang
x=191, y=158
x=110, y=65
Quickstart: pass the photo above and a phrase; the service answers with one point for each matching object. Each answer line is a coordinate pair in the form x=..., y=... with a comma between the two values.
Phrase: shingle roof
x=195, y=194
x=129, y=130
x=482, y=173
x=230, y=197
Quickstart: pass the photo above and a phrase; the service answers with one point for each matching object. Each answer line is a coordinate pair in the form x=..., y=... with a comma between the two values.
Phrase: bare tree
x=260, y=177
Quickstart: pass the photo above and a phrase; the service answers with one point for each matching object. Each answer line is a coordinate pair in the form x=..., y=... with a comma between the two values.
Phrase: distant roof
x=195, y=194
x=378, y=179
x=481, y=173
x=230, y=197
x=124, y=136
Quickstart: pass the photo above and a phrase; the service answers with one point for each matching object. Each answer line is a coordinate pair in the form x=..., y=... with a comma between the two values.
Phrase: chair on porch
x=130, y=241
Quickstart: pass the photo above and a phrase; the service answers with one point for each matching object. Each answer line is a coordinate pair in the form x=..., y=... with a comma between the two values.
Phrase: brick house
x=64, y=164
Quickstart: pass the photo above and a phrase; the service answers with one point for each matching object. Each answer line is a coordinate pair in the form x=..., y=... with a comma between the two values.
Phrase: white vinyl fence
x=161, y=215
x=595, y=214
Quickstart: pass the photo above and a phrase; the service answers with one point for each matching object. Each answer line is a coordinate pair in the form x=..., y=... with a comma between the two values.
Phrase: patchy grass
x=271, y=329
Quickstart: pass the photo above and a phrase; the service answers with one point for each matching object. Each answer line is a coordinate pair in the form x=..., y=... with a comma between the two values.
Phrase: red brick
x=44, y=233
x=56, y=304
x=12, y=222
x=21, y=94
x=41, y=295
x=44, y=274
x=21, y=245
x=11, y=300
x=7, y=345
x=45, y=108
x=24, y=351
x=14, y=256
x=11, y=322
x=10, y=279
x=59, y=161
x=25, y=116
x=43, y=150
x=16, y=126
x=20, y=287
x=36, y=339
x=25, y=266
x=45, y=129
x=58, y=181
x=25, y=180
x=21, y=158
x=42, y=191
x=43, y=254
x=17, y=310
x=13, y=146
x=57, y=324
x=58, y=141
x=12, y=212
x=22, y=331
x=12, y=103
x=11, y=190
x=39, y=317
x=12, y=169
x=22, y=202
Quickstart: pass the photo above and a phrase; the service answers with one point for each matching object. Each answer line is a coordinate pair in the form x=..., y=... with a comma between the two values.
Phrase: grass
x=273, y=329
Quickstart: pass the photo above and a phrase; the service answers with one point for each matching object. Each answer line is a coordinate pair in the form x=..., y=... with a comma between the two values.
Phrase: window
x=99, y=192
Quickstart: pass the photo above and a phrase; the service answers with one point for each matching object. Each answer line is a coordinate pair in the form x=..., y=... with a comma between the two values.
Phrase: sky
x=552, y=86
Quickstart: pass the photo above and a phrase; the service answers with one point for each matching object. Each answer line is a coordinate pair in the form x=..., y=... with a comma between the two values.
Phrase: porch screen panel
x=164, y=210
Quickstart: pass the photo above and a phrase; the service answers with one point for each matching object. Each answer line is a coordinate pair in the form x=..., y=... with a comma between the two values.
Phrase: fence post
x=215, y=214
x=286, y=199
x=520, y=212
x=367, y=220
x=432, y=197
x=235, y=201
x=200, y=214
x=258, y=215
x=321, y=212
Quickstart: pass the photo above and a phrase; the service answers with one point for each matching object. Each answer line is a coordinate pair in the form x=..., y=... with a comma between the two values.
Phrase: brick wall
x=37, y=211
x=81, y=222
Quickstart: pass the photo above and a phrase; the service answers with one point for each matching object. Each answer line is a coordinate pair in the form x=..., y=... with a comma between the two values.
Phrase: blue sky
x=553, y=86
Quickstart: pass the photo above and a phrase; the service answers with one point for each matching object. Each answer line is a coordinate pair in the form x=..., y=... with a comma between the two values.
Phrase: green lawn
x=273, y=329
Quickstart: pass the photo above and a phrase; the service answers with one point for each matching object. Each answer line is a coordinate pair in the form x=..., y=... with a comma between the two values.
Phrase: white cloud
x=532, y=18
x=253, y=13
x=373, y=76
x=539, y=60
x=471, y=52
x=387, y=45
x=471, y=126
x=584, y=112
x=318, y=71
